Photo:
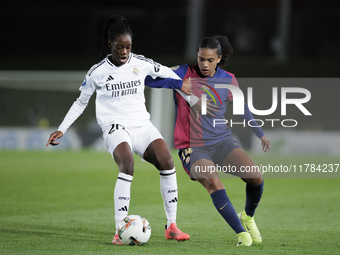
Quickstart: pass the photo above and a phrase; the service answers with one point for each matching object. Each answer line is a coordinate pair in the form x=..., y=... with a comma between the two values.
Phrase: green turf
x=62, y=203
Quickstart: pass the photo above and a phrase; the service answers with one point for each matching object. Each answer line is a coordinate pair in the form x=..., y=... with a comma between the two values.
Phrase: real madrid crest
x=135, y=71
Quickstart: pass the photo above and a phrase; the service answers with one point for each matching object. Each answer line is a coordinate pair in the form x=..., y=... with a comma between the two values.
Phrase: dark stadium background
x=65, y=35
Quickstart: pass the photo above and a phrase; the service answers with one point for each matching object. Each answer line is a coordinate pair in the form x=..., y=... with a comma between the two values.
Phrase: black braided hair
x=113, y=28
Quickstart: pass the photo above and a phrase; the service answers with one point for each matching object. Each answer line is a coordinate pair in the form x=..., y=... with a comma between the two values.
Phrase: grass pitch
x=62, y=203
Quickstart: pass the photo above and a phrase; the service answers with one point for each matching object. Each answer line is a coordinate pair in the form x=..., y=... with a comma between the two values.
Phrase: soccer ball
x=134, y=230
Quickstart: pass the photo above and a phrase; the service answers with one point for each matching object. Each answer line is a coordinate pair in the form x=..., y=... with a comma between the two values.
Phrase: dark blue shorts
x=216, y=153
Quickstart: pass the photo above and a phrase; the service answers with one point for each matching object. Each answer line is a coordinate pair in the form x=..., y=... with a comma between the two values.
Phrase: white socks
x=168, y=184
x=122, y=197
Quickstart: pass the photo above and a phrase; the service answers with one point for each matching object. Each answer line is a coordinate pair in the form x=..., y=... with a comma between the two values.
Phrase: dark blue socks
x=254, y=194
x=226, y=209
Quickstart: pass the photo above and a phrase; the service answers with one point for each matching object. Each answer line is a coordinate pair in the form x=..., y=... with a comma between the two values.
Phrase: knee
x=168, y=163
x=126, y=166
x=164, y=162
x=212, y=184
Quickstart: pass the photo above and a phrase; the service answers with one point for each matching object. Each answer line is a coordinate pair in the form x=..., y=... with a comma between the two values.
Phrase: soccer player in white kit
x=121, y=113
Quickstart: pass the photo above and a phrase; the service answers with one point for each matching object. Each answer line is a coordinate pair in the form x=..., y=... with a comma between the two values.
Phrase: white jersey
x=120, y=91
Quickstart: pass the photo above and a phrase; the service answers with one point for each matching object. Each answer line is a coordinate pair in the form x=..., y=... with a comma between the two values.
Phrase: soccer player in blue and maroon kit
x=203, y=145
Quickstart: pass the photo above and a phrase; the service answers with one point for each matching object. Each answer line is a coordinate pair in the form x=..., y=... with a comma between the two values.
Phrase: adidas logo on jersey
x=124, y=209
x=110, y=78
x=173, y=200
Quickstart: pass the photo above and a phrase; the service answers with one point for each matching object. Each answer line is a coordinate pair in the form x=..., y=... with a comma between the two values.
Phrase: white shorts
x=138, y=138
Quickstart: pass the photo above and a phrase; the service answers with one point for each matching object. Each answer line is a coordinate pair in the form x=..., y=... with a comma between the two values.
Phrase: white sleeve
x=191, y=99
x=166, y=72
x=75, y=111
x=158, y=70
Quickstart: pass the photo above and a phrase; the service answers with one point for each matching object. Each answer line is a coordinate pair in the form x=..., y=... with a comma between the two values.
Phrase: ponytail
x=113, y=28
x=221, y=44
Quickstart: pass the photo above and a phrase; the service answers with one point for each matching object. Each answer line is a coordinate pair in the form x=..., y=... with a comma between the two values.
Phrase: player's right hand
x=54, y=136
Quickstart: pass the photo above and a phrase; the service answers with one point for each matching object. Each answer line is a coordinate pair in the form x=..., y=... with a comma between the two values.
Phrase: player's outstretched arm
x=265, y=143
x=54, y=136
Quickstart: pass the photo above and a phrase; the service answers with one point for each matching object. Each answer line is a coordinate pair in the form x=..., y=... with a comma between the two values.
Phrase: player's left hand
x=265, y=143
x=186, y=87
